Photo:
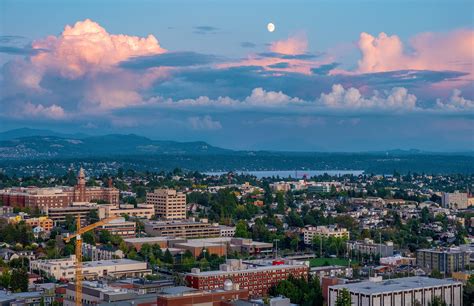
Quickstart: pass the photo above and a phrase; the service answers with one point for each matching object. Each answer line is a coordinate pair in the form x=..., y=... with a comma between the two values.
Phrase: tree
x=241, y=229
x=343, y=298
x=167, y=257
x=436, y=274
x=89, y=238
x=468, y=292
x=437, y=301
x=19, y=280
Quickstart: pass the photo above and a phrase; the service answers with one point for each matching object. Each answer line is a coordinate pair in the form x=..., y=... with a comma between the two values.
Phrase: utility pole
x=276, y=247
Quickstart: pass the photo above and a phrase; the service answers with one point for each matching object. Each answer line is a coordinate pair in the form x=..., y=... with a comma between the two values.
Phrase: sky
x=333, y=76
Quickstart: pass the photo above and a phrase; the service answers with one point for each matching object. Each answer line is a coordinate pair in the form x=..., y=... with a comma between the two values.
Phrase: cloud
x=293, y=45
x=205, y=29
x=351, y=98
x=247, y=44
x=324, y=69
x=20, y=50
x=428, y=51
x=169, y=59
x=53, y=112
x=204, y=123
x=259, y=96
x=87, y=47
x=456, y=102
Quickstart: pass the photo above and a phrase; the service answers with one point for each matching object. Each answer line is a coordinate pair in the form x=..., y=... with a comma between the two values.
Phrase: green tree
x=241, y=229
x=343, y=298
x=437, y=301
x=19, y=280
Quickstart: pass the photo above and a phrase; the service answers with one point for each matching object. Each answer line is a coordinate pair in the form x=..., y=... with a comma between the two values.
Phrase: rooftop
x=248, y=270
x=397, y=284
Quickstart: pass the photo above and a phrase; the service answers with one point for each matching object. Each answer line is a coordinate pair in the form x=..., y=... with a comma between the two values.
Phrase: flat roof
x=396, y=284
x=248, y=270
x=147, y=239
x=110, y=262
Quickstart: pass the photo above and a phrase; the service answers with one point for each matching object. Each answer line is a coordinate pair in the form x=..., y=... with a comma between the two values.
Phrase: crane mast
x=79, y=231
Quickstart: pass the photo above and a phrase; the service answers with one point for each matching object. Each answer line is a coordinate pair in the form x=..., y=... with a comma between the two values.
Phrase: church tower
x=80, y=190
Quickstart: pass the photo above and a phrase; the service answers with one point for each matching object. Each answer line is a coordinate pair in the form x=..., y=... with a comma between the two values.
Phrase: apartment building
x=405, y=291
x=256, y=278
x=457, y=200
x=444, y=260
x=369, y=247
x=309, y=232
x=142, y=211
x=169, y=204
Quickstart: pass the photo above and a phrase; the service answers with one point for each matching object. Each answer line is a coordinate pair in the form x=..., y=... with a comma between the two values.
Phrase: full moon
x=270, y=27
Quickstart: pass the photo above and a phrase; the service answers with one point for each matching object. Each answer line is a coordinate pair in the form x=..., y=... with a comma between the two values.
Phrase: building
x=96, y=253
x=59, y=214
x=442, y=260
x=178, y=296
x=227, y=231
x=367, y=246
x=57, y=197
x=137, y=243
x=256, y=278
x=142, y=211
x=400, y=292
x=64, y=268
x=169, y=204
x=43, y=222
x=331, y=271
x=458, y=200
x=309, y=232
x=98, y=293
x=119, y=227
x=182, y=228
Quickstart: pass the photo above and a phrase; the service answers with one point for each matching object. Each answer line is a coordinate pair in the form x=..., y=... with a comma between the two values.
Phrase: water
x=293, y=173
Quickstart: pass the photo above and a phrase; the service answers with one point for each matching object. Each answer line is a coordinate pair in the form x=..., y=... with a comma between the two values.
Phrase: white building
x=64, y=268
x=227, y=231
x=169, y=204
x=309, y=232
x=400, y=292
x=457, y=200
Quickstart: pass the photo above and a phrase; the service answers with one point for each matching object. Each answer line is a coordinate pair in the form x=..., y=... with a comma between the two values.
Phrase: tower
x=80, y=190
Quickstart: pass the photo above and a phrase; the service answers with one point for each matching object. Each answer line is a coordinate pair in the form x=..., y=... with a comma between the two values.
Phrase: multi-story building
x=65, y=268
x=43, y=222
x=182, y=228
x=142, y=211
x=257, y=279
x=120, y=227
x=227, y=231
x=405, y=291
x=458, y=200
x=169, y=204
x=443, y=260
x=96, y=253
x=59, y=215
x=309, y=232
x=58, y=197
x=369, y=247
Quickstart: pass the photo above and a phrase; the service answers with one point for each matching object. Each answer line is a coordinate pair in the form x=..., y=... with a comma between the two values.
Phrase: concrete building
x=96, y=253
x=227, y=231
x=182, y=228
x=58, y=196
x=444, y=260
x=256, y=278
x=59, y=214
x=119, y=227
x=169, y=204
x=458, y=200
x=368, y=246
x=400, y=292
x=138, y=242
x=64, y=268
x=309, y=232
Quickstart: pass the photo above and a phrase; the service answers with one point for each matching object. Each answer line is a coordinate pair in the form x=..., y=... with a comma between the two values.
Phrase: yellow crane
x=79, y=231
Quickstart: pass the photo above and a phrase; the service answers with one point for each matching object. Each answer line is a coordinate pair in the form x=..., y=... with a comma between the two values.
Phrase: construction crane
x=79, y=231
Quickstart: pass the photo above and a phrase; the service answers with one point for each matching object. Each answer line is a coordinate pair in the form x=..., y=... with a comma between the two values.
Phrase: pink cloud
x=430, y=51
x=293, y=45
x=87, y=47
x=53, y=112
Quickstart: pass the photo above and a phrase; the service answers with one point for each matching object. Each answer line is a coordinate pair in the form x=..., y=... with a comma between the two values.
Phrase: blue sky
x=334, y=76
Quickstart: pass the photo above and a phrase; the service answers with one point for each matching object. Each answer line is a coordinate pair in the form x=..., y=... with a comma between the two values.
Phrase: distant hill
x=53, y=146
x=27, y=132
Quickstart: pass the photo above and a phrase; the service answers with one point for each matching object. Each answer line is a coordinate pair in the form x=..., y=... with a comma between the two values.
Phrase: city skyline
x=333, y=76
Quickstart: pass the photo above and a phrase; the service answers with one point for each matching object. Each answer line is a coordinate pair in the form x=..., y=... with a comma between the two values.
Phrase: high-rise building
x=169, y=204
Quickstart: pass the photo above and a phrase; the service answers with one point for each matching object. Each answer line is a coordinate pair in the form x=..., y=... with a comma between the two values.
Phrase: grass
x=319, y=262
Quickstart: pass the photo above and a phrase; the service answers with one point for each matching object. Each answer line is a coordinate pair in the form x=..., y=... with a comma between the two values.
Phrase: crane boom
x=79, y=231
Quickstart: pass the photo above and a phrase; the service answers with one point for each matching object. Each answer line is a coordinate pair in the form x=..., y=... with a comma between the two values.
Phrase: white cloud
x=456, y=102
x=351, y=98
x=38, y=110
x=204, y=123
